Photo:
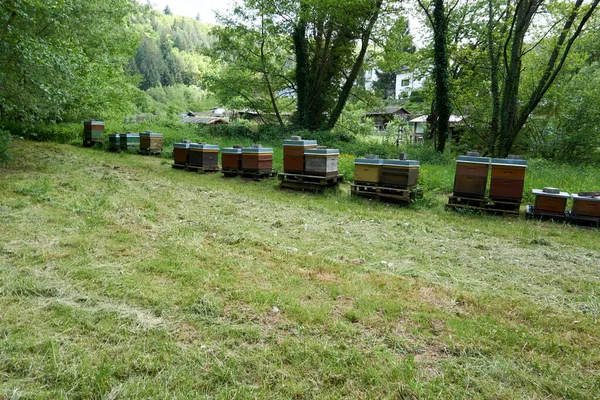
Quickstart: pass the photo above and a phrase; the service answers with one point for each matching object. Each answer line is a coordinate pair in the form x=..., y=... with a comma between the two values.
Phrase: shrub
x=5, y=140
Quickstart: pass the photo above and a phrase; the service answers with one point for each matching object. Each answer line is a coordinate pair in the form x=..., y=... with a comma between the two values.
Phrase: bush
x=5, y=140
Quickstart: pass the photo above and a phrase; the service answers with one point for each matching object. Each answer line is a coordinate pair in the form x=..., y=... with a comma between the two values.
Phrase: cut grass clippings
x=123, y=278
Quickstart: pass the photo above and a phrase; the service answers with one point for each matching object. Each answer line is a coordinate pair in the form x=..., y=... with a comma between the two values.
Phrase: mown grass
x=123, y=278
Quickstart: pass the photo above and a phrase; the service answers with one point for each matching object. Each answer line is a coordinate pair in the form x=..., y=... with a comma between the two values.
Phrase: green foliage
x=5, y=141
x=65, y=59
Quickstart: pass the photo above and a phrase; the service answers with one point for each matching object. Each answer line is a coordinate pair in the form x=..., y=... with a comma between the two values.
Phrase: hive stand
x=92, y=142
x=394, y=194
x=178, y=166
x=202, y=170
x=309, y=182
x=250, y=175
x=483, y=204
x=567, y=217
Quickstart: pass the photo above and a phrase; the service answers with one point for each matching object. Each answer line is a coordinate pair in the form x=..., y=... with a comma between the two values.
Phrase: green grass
x=123, y=278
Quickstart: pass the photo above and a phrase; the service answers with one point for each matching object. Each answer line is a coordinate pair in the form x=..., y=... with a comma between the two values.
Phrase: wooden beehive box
x=151, y=142
x=400, y=173
x=129, y=141
x=321, y=161
x=293, y=154
x=471, y=175
x=93, y=130
x=114, y=143
x=586, y=206
x=550, y=201
x=203, y=155
x=508, y=179
x=368, y=171
x=257, y=159
x=181, y=153
x=231, y=158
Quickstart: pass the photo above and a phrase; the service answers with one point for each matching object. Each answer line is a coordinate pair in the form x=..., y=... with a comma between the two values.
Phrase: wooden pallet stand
x=251, y=175
x=399, y=195
x=567, y=217
x=483, y=204
x=309, y=182
x=178, y=166
x=202, y=170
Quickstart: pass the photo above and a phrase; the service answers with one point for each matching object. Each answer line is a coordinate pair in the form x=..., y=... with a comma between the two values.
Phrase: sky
x=190, y=8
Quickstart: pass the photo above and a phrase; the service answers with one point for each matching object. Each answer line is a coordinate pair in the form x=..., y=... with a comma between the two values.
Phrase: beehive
x=321, y=161
x=129, y=141
x=508, y=179
x=114, y=143
x=400, y=173
x=257, y=159
x=181, y=152
x=231, y=158
x=471, y=176
x=586, y=206
x=151, y=142
x=203, y=155
x=93, y=131
x=550, y=200
x=368, y=170
x=293, y=154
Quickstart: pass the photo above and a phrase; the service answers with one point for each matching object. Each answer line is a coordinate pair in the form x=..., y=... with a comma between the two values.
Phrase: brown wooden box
x=293, y=164
x=151, y=142
x=400, y=173
x=471, y=175
x=293, y=154
x=231, y=161
x=257, y=159
x=508, y=179
x=547, y=204
x=586, y=207
x=180, y=155
x=203, y=158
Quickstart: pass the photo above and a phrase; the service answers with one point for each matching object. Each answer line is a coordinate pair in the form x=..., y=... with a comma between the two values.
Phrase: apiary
x=293, y=154
x=550, y=200
x=586, y=205
x=114, y=143
x=400, y=173
x=508, y=179
x=231, y=158
x=151, y=142
x=368, y=171
x=181, y=152
x=471, y=176
x=257, y=159
x=129, y=141
x=321, y=161
x=203, y=155
x=93, y=131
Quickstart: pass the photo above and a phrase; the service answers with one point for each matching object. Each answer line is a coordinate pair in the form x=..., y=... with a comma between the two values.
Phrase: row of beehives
x=148, y=141
x=552, y=202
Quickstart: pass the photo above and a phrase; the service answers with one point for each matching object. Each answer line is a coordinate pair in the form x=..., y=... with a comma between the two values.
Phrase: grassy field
x=123, y=278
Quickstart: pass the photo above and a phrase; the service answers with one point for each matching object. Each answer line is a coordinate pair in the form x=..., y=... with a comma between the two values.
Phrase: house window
x=405, y=82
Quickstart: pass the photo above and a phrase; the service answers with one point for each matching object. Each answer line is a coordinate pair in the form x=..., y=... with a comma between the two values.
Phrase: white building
x=406, y=83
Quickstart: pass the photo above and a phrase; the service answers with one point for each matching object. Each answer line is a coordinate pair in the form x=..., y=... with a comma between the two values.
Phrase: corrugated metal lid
x=479, y=160
x=509, y=161
x=402, y=163
x=560, y=195
x=370, y=161
x=204, y=146
x=290, y=142
x=257, y=150
x=231, y=150
x=578, y=197
x=330, y=152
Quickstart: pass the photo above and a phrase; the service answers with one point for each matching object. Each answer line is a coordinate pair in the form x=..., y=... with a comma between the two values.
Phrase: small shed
x=418, y=125
x=382, y=117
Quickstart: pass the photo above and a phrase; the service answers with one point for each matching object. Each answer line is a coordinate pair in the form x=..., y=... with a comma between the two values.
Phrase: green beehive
x=92, y=132
x=129, y=141
x=114, y=142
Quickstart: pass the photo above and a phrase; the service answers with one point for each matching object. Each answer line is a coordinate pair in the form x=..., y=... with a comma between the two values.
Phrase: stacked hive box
x=114, y=143
x=550, y=201
x=508, y=179
x=151, y=142
x=129, y=141
x=231, y=158
x=293, y=154
x=181, y=153
x=368, y=171
x=203, y=155
x=471, y=176
x=257, y=159
x=321, y=161
x=92, y=132
x=586, y=205
x=400, y=173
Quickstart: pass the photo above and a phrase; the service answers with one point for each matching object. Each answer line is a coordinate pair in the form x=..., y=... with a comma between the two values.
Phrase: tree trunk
x=442, y=89
x=302, y=73
x=495, y=90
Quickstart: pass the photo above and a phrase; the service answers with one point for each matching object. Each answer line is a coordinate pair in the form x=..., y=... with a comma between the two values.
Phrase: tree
x=167, y=10
x=58, y=60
